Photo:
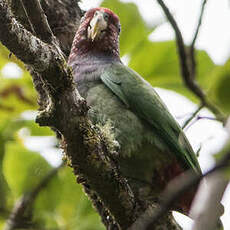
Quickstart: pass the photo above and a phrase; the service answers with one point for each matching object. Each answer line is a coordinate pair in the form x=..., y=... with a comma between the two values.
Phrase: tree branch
x=207, y=208
x=165, y=222
x=186, y=72
x=192, y=116
x=197, y=118
x=191, y=49
x=16, y=38
x=27, y=16
x=63, y=17
x=199, y=24
x=38, y=20
x=18, y=92
x=43, y=58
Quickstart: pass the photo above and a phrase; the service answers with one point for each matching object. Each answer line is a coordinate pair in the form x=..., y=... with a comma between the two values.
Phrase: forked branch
x=38, y=20
x=188, y=71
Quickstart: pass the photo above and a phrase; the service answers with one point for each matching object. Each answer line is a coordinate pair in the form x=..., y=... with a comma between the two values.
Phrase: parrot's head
x=101, y=22
x=98, y=33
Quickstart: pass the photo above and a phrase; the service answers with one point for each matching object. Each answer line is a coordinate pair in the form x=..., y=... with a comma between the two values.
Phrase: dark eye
x=119, y=28
x=96, y=13
x=106, y=16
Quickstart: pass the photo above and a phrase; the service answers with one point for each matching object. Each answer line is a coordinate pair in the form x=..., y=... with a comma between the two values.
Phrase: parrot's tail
x=185, y=202
x=176, y=174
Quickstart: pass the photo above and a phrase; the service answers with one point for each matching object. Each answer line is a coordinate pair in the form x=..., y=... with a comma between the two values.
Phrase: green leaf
x=158, y=63
x=9, y=127
x=22, y=168
x=223, y=92
x=4, y=189
x=47, y=201
x=72, y=209
x=36, y=130
x=75, y=208
x=205, y=66
x=16, y=96
x=2, y=223
x=220, y=85
x=6, y=56
x=219, y=156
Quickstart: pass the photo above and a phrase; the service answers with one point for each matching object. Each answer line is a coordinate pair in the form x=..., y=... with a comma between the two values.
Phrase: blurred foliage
x=224, y=154
x=220, y=90
x=62, y=204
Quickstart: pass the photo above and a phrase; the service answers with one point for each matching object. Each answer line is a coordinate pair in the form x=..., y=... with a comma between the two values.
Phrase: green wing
x=141, y=98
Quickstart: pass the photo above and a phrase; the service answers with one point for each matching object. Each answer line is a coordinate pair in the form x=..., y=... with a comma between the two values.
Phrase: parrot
x=152, y=147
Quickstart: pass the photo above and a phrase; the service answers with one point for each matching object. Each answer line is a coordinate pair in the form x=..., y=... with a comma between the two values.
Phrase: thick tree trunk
x=63, y=109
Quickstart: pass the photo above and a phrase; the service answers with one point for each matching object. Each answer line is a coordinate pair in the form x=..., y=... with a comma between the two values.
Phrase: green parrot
x=152, y=147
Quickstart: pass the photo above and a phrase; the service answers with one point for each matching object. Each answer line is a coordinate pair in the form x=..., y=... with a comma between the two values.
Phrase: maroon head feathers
x=97, y=35
x=113, y=18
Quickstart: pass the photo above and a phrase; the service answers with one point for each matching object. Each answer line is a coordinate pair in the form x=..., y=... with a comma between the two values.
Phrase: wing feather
x=141, y=98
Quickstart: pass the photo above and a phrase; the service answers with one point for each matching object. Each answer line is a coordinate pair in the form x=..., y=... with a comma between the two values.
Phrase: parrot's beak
x=97, y=25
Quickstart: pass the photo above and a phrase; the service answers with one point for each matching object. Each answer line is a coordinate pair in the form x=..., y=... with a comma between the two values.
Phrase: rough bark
x=66, y=111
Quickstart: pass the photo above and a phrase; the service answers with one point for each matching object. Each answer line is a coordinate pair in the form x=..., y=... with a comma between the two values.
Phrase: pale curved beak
x=97, y=25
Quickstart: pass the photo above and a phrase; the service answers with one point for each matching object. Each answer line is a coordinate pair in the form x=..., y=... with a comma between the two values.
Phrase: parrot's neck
x=86, y=54
x=90, y=67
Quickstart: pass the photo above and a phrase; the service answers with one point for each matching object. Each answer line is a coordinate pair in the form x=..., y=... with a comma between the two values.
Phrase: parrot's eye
x=106, y=16
x=119, y=28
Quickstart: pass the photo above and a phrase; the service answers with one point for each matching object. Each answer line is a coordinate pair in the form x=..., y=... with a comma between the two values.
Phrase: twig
x=205, y=117
x=179, y=40
x=18, y=92
x=38, y=20
x=199, y=118
x=186, y=182
x=198, y=151
x=30, y=23
x=186, y=72
x=192, y=116
x=6, y=108
x=206, y=208
x=191, y=49
x=21, y=206
x=199, y=24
